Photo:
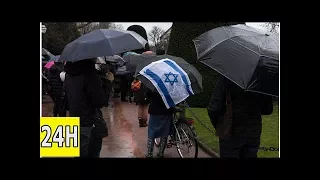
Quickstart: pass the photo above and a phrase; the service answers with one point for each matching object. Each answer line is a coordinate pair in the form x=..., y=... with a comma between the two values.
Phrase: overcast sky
x=167, y=25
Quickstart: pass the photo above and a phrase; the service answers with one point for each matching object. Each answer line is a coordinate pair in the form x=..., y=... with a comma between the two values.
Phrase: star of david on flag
x=168, y=76
x=170, y=80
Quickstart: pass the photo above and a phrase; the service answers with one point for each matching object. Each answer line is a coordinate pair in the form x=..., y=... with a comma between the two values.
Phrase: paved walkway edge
x=208, y=150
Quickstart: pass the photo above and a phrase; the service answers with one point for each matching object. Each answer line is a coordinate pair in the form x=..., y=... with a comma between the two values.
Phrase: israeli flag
x=171, y=81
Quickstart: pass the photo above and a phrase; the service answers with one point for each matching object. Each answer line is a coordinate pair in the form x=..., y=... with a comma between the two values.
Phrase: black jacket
x=83, y=91
x=55, y=81
x=157, y=105
x=247, y=107
x=142, y=96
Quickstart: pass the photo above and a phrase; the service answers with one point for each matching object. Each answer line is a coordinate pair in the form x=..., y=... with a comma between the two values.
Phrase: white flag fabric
x=170, y=80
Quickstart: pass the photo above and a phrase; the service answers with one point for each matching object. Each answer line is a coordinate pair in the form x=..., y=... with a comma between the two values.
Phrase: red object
x=135, y=85
x=190, y=122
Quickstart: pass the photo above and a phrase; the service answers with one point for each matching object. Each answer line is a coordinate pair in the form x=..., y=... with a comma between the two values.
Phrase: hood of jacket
x=80, y=67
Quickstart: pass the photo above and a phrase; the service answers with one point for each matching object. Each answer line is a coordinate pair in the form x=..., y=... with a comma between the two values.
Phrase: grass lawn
x=269, y=136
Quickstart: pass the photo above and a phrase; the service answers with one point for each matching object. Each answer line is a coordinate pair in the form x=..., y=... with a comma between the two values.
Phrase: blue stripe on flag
x=162, y=87
x=181, y=74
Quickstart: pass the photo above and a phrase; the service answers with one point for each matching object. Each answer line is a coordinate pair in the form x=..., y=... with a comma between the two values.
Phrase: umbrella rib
x=225, y=31
x=269, y=57
x=196, y=48
x=237, y=83
x=252, y=30
x=253, y=50
x=244, y=46
x=262, y=93
x=209, y=49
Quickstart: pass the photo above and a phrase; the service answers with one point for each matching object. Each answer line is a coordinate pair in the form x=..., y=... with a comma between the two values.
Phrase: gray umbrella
x=132, y=60
x=115, y=59
x=102, y=42
x=245, y=55
x=45, y=52
x=194, y=75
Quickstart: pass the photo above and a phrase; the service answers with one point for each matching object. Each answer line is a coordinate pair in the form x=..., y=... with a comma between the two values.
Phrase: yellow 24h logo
x=59, y=137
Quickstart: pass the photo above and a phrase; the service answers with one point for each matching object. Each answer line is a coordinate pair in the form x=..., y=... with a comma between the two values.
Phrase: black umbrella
x=133, y=60
x=193, y=74
x=245, y=55
x=102, y=42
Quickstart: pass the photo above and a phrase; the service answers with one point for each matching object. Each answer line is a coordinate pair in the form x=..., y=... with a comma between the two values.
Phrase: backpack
x=135, y=85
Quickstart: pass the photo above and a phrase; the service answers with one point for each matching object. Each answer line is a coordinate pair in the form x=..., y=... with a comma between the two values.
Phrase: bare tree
x=104, y=25
x=272, y=27
x=58, y=35
x=116, y=26
x=85, y=27
x=155, y=34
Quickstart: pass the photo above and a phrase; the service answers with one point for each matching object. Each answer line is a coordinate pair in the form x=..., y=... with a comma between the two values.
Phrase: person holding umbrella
x=248, y=63
x=242, y=139
x=170, y=84
x=82, y=84
x=57, y=90
x=85, y=96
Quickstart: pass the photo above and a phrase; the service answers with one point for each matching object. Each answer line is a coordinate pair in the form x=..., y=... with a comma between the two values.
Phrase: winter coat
x=247, y=107
x=84, y=91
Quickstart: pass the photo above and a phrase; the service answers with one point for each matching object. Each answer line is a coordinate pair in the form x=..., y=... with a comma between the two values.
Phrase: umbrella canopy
x=102, y=42
x=46, y=54
x=245, y=55
x=55, y=58
x=134, y=59
x=146, y=59
x=115, y=59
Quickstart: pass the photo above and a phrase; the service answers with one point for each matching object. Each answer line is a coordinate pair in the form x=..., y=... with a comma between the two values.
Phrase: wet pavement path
x=126, y=138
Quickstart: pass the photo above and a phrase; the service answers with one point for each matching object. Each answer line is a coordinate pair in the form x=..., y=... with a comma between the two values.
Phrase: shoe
x=149, y=157
x=142, y=122
x=162, y=146
x=160, y=156
x=150, y=144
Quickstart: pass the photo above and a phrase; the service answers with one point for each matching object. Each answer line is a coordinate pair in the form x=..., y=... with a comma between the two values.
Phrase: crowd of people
x=84, y=87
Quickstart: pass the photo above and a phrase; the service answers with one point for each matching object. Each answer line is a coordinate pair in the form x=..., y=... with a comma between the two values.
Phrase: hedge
x=181, y=45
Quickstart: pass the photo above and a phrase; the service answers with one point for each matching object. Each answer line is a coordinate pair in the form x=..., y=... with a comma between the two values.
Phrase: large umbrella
x=102, y=42
x=55, y=58
x=46, y=54
x=132, y=60
x=193, y=74
x=115, y=59
x=245, y=55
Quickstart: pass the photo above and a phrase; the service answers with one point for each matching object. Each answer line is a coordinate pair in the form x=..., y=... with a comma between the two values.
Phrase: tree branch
x=82, y=26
